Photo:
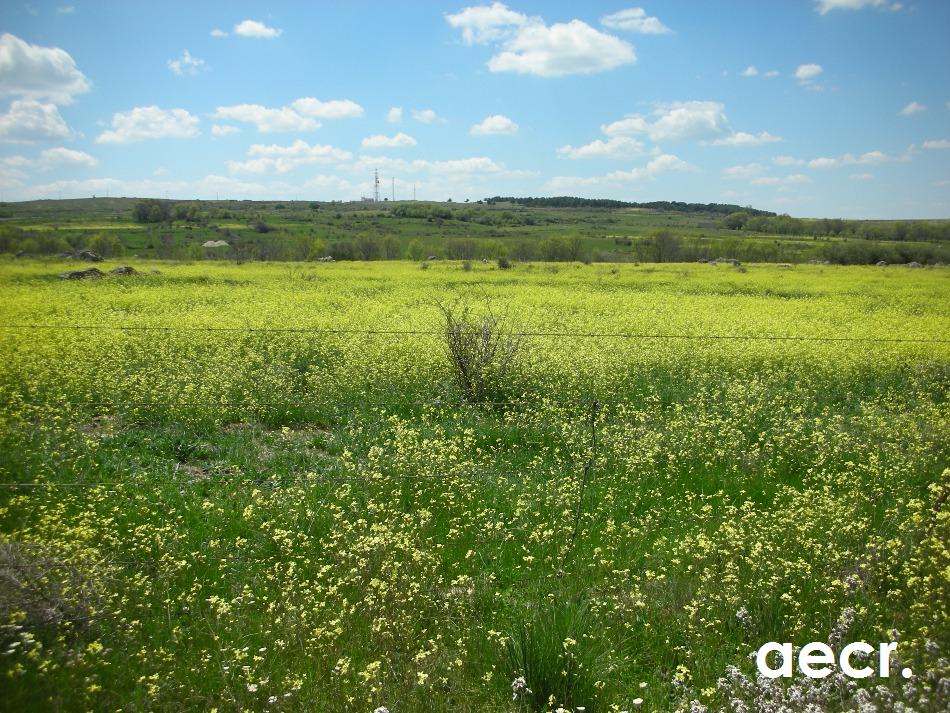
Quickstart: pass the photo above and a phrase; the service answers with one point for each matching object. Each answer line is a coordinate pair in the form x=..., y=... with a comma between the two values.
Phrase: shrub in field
x=482, y=353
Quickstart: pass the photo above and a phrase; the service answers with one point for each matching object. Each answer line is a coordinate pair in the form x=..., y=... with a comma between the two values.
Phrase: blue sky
x=811, y=107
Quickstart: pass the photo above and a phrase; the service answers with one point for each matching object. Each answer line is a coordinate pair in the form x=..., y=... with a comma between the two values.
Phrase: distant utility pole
x=376, y=186
x=413, y=191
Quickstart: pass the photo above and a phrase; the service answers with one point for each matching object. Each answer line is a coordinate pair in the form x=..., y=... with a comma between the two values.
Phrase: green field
x=261, y=487
x=301, y=231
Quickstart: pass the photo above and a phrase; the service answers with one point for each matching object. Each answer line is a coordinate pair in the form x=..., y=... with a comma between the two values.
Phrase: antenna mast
x=376, y=186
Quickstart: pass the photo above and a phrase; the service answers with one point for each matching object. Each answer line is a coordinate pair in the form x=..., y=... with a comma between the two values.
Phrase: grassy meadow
x=259, y=487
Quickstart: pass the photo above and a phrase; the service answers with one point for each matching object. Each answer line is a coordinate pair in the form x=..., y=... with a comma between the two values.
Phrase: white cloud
x=937, y=144
x=333, y=109
x=867, y=158
x=635, y=124
x=273, y=158
x=35, y=72
x=826, y=6
x=29, y=121
x=150, y=122
x=677, y=121
x=301, y=115
x=267, y=120
x=636, y=20
x=425, y=116
x=788, y=161
x=663, y=163
x=793, y=180
x=486, y=23
x=805, y=73
x=218, y=33
x=394, y=115
x=379, y=141
x=912, y=108
x=494, y=124
x=55, y=158
x=749, y=170
x=208, y=187
x=616, y=147
x=63, y=157
x=186, y=64
x=861, y=176
x=750, y=71
x=771, y=73
x=561, y=49
x=14, y=170
x=220, y=130
x=257, y=30
x=453, y=169
x=742, y=138
x=66, y=9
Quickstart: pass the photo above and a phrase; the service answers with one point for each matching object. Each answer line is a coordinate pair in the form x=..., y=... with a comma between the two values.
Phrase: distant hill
x=677, y=206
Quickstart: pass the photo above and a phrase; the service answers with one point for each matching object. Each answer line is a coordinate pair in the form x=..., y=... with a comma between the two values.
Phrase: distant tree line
x=572, y=202
x=921, y=231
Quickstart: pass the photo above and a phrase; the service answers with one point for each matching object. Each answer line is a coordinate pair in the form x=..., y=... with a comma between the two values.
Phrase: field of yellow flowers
x=257, y=487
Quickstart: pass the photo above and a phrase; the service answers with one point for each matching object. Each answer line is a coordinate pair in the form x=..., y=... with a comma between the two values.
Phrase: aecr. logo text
x=816, y=659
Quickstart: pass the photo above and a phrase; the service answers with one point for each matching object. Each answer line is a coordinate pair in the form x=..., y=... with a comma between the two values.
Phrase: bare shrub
x=483, y=354
x=41, y=590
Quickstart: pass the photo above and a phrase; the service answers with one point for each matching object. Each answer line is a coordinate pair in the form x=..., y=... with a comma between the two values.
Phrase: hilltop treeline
x=903, y=230
x=677, y=206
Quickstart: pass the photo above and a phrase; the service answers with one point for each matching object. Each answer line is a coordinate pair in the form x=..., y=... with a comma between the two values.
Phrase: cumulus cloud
x=333, y=109
x=452, y=169
x=272, y=158
x=394, y=115
x=561, y=49
x=750, y=71
x=677, y=121
x=256, y=30
x=29, y=121
x=867, y=158
x=486, y=23
x=424, y=116
x=380, y=141
x=494, y=124
x=218, y=33
x=663, y=163
x=267, y=120
x=742, y=138
x=219, y=130
x=208, y=187
x=937, y=144
x=806, y=73
x=35, y=72
x=301, y=115
x=50, y=159
x=912, y=108
x=527, y=45
x=635, y=19
x=793, y=180
x=788, y=161
x=186, y=64
x=826, y=6
x=144, y=123
x=616, y=147
x=62, y=157
x=746, y=171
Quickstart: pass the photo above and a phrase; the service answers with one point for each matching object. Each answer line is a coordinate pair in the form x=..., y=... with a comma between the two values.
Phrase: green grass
x=325, y=511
